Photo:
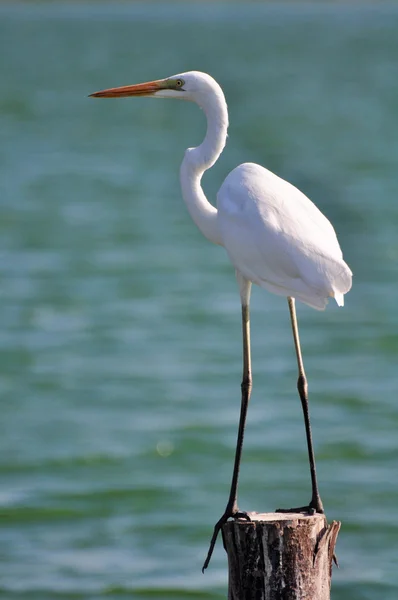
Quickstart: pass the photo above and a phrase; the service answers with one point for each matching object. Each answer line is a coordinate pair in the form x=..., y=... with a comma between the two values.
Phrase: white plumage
x=277, y=238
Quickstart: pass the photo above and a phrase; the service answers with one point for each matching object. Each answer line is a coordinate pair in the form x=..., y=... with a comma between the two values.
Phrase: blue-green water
x=120, y=332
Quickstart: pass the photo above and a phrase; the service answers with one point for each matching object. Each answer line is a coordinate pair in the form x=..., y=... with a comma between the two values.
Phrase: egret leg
x=232, y=509
x=316, y=503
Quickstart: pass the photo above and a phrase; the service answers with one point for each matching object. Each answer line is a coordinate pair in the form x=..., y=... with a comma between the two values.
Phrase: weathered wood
x=280, y=556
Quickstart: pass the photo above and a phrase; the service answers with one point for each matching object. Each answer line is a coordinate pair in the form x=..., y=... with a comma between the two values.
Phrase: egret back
x=277, y=238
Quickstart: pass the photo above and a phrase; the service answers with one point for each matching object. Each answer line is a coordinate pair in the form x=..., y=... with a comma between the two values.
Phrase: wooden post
x=280, y=556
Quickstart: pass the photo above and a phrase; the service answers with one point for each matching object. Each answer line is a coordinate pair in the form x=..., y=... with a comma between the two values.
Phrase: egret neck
x=198, y=160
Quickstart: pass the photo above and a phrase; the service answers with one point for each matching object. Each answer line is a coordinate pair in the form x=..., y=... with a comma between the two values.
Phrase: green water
x=120, y=325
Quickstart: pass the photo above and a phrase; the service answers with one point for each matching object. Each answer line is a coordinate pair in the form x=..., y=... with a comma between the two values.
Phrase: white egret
x=274, y=236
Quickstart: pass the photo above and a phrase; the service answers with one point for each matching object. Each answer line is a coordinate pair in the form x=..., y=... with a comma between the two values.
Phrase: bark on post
x=280, y=556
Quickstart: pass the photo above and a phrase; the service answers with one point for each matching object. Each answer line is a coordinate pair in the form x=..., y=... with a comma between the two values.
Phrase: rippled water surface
x=120, y=325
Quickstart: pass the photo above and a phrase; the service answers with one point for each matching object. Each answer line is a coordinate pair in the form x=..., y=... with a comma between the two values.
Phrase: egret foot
x=237, y=514
x=300, y=509
x=315, y=506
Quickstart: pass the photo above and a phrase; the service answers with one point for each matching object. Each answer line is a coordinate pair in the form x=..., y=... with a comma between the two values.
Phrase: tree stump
x=280, y=556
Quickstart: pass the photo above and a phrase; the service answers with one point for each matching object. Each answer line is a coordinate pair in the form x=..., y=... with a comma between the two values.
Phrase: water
x=119, y=324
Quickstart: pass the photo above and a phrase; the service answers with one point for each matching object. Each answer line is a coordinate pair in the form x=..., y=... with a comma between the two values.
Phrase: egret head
x=193, y=86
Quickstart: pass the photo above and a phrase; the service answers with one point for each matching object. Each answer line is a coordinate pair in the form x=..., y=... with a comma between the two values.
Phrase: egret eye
x=179, y=83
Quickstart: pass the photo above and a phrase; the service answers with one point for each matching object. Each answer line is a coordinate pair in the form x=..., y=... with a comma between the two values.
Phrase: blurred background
x=120, y=335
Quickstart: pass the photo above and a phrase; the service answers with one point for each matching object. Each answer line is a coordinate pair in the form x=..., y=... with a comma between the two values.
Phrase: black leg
x=315, y=504
x=232, y=509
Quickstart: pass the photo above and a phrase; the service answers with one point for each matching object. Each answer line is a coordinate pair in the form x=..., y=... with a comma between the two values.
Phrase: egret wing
x=276, y=237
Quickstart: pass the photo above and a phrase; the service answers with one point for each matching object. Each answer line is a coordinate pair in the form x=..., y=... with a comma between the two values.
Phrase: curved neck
x=198, y=160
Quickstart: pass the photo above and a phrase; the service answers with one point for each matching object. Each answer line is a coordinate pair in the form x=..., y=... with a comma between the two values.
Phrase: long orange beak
x=140, y=89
